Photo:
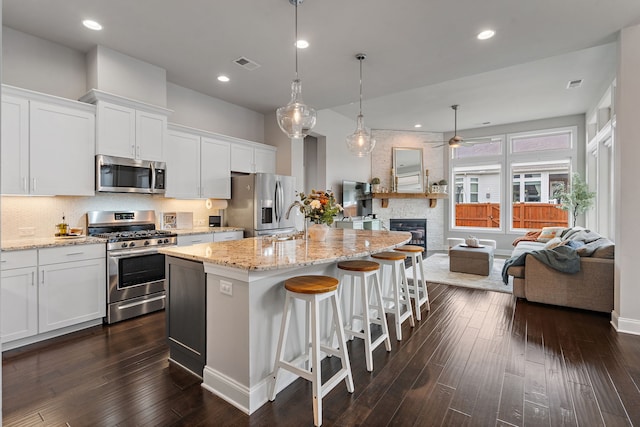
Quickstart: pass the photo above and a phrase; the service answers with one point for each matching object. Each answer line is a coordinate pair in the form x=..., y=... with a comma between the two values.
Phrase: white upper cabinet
x=15, y=145
x=128, y=128
x=265, y=160
x=215, y=172
x=242, y=158
x=198, y=165
x=183, y=165
x=47, y=145
x=252, y=157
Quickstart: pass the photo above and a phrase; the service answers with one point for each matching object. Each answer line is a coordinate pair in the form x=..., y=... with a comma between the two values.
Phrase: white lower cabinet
x=71, y=293
x=19, y=315
x=48, y=289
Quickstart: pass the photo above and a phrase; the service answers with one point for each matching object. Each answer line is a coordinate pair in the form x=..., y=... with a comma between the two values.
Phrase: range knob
x=124, y=244
x=166, y=240
x=132, y=244
x=146, y=243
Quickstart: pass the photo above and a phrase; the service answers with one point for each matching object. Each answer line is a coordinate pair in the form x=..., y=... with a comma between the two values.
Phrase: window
x=560, y=140
x=535, y=193
x=536, y=165
x=477, y=196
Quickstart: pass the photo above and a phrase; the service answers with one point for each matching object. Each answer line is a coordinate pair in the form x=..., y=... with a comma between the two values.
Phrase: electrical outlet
x=26, y=231
x=226, y=288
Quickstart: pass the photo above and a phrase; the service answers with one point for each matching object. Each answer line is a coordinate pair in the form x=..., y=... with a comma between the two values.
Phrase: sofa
x=591, y=288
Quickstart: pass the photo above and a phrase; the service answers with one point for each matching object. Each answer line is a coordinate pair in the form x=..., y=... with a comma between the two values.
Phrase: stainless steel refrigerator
x=259, y=204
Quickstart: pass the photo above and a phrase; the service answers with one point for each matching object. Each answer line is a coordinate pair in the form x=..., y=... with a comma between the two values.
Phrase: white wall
x=332, y=130
x=38, y=64
x=120, y=74
x=626, y=315
x=194, y=109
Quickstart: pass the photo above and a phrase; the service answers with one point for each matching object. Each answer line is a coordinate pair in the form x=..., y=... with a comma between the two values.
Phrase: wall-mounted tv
x=356, y=199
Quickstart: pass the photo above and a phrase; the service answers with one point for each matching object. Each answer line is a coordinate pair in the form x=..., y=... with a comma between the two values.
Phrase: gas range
x=136, y=270
x=128, y=230
x=140, y=238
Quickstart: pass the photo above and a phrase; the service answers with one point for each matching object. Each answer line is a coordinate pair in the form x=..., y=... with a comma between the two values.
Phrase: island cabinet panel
x=186, y=313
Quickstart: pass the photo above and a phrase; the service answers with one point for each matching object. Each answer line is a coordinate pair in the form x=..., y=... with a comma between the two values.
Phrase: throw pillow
x=549, y=233
x=556, y=241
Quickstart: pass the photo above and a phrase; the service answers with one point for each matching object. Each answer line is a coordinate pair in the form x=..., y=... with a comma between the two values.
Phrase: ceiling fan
x=455, y=141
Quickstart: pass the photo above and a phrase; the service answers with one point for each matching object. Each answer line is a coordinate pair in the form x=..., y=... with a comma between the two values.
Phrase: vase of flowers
x=319, y=207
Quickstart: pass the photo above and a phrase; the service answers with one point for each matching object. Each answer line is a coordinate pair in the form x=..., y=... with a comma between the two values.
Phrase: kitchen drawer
x=18, y=259
x=227, y=235
x=71, y=253
x=194, y=239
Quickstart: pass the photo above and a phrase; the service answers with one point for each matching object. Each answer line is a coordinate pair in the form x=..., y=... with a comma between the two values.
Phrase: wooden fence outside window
x=525, y=215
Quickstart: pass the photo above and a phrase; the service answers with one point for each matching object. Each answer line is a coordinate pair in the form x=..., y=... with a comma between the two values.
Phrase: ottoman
x=465, y=259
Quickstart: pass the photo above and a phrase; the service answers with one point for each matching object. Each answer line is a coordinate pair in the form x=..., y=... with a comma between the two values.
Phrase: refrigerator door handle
x=277, y=201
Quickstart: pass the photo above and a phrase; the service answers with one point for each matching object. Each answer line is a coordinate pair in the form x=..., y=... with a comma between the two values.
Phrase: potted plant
x=375, y=185
x=577, y=199
x=443, y=185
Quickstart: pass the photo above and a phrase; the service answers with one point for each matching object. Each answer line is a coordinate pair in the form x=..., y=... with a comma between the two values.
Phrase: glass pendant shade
x=360, y=143
x=296, y=119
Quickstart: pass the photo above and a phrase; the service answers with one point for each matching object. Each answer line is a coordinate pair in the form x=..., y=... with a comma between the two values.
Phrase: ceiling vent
x=574, y=84
x=246, y=63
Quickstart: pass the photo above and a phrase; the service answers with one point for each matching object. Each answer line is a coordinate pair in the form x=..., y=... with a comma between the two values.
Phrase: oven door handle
x=129, y=253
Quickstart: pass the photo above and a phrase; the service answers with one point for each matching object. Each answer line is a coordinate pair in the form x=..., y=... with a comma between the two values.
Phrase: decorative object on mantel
x=375, y=185
x=443, y=185
x=361, y=143
x=296, y=119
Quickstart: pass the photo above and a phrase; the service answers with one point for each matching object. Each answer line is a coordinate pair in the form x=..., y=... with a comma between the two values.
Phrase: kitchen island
x=235, y=289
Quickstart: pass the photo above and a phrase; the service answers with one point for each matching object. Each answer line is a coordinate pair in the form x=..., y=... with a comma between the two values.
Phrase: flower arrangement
x=320, y=206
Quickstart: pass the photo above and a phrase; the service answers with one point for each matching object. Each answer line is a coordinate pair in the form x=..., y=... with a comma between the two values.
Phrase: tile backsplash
x=39, y=215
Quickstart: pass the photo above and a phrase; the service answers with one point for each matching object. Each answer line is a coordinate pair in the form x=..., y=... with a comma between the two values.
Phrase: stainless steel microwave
x=122, y=175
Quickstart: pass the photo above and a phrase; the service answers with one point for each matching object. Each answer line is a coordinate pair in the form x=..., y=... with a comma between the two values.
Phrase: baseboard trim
x=248, y=400
x=624, y=325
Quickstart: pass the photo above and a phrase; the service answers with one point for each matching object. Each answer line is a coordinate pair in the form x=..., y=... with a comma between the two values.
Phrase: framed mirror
x=407, y=164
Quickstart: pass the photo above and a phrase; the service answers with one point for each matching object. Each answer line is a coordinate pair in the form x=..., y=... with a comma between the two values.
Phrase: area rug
x=436, y=269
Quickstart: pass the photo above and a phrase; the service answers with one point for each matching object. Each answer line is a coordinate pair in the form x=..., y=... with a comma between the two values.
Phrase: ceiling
x=422, y=56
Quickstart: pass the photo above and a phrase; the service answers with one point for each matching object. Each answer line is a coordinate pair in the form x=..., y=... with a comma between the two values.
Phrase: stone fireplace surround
x=433, y=160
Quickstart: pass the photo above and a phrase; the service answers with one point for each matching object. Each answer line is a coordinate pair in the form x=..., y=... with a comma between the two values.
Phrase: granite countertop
x=47, y=242
x=267, y=253
x=50, y=242
x=203, y=230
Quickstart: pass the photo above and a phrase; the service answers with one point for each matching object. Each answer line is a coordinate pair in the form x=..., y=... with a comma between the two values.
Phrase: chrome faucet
x=296, y=203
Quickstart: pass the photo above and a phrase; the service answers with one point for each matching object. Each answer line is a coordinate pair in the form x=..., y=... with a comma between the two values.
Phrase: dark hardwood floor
x=478, y=359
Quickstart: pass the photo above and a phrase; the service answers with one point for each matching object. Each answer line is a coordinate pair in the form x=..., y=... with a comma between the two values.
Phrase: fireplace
x=418, y=229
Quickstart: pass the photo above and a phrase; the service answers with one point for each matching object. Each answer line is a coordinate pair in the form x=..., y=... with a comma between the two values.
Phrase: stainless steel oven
x=136, y=271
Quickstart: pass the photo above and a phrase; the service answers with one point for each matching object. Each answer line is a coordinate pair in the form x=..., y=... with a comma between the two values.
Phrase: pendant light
x=296, y=119
x=360, y=143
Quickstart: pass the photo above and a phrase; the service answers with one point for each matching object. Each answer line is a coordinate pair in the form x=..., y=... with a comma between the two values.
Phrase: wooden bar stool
x=399, y=287
x=366, y=273
x=313, y=290
x=419, y=287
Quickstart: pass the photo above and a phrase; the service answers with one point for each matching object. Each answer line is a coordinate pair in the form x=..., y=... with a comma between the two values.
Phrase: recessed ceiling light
x=417, y=125
x=486, y=34
x=223, y=78
x=302, y=44
x=92, y=25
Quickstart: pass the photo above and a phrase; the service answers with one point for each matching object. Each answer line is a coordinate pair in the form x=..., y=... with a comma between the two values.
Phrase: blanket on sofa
x=562, y=258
